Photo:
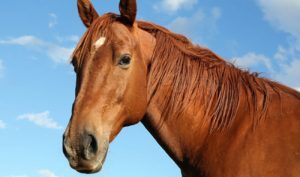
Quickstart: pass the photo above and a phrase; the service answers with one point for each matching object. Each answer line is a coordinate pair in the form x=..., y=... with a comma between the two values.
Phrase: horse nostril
x=90, y=147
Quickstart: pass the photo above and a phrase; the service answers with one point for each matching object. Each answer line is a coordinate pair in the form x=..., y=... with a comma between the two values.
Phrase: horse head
x=110, y=62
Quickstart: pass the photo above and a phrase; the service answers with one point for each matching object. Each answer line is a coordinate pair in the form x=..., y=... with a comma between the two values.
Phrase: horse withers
x=213, y=119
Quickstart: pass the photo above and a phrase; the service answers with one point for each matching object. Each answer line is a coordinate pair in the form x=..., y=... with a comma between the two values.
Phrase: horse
x=212, y=118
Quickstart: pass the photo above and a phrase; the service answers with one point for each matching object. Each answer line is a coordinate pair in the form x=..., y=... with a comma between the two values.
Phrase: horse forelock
x=96, y=35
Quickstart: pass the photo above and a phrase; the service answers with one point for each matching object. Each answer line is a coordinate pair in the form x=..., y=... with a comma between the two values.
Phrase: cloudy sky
x=37, y=83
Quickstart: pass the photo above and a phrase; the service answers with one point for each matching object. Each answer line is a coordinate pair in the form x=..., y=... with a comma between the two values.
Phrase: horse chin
x=90, y=166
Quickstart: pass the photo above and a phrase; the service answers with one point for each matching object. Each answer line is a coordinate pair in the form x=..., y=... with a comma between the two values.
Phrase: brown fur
x=212, y=118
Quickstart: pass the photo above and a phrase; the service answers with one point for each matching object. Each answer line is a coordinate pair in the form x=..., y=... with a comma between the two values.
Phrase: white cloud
x=46, y=173
x=205, y=21
x=174, y=5
x=53, y=20
x=41, y=119
x=71, y=38
x=285, y=63
x=2, y=124
x=1, y=68
x=186, y=24
x=282, y=14
x=252, y=59
x=285, y=71
x=298, y=89
x=24, y=40
x=289, y=73
x=57, y=53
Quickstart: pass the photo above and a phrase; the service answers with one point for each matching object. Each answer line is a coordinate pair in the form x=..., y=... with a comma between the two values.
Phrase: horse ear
x=128, y=10
x=87, y=12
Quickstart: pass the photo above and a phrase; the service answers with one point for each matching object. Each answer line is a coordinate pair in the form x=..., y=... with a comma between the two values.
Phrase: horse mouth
x=89, y=166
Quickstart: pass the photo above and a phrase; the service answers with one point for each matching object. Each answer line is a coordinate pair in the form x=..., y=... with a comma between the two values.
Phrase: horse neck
x=188, y=98
x=176, y=134
x=182, y=136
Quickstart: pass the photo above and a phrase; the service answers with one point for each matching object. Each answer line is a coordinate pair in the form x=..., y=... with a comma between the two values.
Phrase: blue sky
x=37, y=83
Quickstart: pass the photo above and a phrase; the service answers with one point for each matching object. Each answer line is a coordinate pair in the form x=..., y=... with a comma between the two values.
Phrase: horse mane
x=193, y=75
x=190, y=74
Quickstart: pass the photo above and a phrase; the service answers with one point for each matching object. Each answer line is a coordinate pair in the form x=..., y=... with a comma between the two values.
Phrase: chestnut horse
x=213, y=119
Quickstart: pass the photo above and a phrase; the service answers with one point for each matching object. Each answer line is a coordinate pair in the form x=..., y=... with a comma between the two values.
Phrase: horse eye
x=124, y=61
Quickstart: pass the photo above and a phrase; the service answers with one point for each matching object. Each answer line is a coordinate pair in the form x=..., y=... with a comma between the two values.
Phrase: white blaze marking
x=100, y=42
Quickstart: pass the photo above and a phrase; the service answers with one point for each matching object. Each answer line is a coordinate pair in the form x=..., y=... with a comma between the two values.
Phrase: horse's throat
x=164, y=133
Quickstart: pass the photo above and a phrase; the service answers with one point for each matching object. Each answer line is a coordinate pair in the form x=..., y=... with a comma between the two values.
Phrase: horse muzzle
x=86, y=154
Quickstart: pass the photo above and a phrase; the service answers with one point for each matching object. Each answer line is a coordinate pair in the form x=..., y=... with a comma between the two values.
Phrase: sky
x=37, y=82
